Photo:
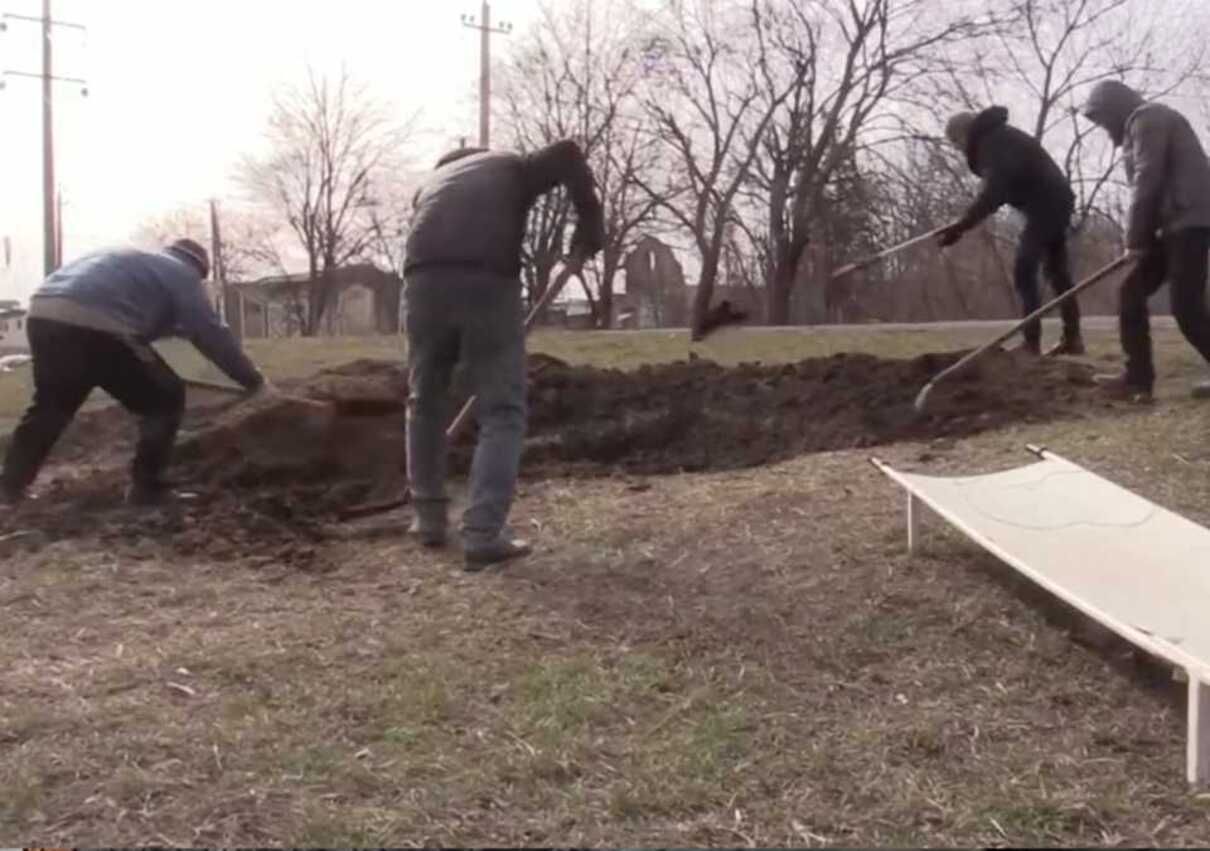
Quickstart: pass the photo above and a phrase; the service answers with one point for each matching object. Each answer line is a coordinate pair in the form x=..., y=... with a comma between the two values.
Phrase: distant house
x=14, y=337
x=364, y=301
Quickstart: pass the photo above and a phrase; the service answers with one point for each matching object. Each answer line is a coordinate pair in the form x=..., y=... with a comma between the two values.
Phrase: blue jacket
x=147, y=296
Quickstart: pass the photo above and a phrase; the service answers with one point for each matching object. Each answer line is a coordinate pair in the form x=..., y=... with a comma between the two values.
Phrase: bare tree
x=248, y=237
x=1045, y=55
x=576, y=75
x=842, y=62
x=709, y=99
x=331, y=145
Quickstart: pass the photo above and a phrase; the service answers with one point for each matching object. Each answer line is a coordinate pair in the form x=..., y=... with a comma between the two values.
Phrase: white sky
x=180, y=89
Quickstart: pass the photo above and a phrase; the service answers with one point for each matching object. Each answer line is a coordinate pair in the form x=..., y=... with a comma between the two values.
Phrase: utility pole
x=486, y=31
x=218, y=270
x=59, y=228
x=48, y=147
x=50, y=236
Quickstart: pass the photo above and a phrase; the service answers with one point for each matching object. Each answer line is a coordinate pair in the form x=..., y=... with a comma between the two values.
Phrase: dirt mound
x=267, y=471
x=688, y=416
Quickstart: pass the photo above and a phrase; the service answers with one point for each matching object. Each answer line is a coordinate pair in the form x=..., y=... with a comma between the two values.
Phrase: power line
x=51, y=236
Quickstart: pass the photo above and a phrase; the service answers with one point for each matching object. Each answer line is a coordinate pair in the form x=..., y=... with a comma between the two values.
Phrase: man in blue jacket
x=90, y=325
x=463, y=292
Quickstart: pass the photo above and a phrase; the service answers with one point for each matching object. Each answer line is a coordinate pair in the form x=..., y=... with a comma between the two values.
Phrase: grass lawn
x=739, y=659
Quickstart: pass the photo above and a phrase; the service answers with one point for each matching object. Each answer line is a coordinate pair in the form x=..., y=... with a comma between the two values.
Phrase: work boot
x=1117, y=386
x=429, y=534
x=1067, y=346
x=504, y=548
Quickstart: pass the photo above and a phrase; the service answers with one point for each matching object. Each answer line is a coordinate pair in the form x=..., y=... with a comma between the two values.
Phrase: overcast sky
x=179, y=90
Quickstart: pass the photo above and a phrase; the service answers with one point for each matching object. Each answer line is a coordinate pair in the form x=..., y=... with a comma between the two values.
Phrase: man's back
x=144, y=295
x=1164, y=156
x=138, y=288
x=471, y=213
x=1032, y=181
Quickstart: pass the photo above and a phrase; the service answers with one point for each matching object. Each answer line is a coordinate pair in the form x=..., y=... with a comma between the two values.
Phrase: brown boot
x=1116, y=386
x=1067, y=346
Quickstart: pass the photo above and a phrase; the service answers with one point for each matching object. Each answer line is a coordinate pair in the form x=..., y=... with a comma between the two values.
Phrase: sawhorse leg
x=1197, y=764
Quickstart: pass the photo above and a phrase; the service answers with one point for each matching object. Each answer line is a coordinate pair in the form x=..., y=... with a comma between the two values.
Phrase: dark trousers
x=1180, y=258
x=1044, y=244
x=68, y=362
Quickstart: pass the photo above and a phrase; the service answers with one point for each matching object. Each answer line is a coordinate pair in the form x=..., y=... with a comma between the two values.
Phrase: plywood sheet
x=1138, y=568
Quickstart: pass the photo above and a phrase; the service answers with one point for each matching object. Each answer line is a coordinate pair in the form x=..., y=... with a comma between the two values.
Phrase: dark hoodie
x=1016, y=170
x=1164, y=162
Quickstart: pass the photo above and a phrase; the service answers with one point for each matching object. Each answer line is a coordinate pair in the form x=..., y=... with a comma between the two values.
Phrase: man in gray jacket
x=463, y=291
x=90, y=325
x=1167, y=229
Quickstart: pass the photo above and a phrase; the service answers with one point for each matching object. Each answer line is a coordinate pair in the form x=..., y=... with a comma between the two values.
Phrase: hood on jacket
x=958, y=129
x=992, y=118
x=1109, y=105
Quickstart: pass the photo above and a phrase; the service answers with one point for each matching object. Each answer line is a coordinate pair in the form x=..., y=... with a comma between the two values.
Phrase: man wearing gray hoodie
x=1167, y=228
x=90, y=325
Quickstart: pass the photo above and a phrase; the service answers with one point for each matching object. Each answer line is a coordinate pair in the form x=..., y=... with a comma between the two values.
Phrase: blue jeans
x=463, y=315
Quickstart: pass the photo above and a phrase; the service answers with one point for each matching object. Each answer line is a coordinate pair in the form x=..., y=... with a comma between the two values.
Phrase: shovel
x=1094, y=278
x=239, y=393
x=886, y=252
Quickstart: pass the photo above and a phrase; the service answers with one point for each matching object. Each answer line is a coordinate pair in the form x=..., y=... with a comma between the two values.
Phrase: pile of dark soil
x=267, y=473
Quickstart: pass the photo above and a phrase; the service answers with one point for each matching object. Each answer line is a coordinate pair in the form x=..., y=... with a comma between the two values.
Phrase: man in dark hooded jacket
x=1167, y=228
x=1016, y=170
x=463, y=293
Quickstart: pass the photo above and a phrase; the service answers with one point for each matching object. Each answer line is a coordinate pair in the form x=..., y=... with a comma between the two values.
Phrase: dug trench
x=269, y=477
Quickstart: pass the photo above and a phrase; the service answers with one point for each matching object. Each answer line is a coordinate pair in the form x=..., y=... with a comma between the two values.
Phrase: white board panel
x=1138, y=568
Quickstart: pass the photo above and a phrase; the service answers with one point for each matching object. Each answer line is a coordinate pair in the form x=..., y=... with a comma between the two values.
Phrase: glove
x=950, y=236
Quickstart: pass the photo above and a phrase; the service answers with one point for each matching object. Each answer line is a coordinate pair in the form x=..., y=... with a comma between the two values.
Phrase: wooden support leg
x=915, y=510
x=1198, y=759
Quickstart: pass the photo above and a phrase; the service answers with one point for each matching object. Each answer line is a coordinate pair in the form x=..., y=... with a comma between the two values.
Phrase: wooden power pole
x=48, y=147
x=486, y=31
x=51, y=239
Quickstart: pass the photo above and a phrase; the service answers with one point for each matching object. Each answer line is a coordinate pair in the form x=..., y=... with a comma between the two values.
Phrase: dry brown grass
x=732, y=659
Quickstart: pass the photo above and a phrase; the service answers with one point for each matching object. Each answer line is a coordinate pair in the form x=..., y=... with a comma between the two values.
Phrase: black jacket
x=1017, y=171
x=471, y=212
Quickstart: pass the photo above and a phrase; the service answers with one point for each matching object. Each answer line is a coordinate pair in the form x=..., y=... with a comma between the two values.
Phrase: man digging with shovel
x=463, y=295
x=1167, y=230
x=90, y=325
x=1016, y=170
